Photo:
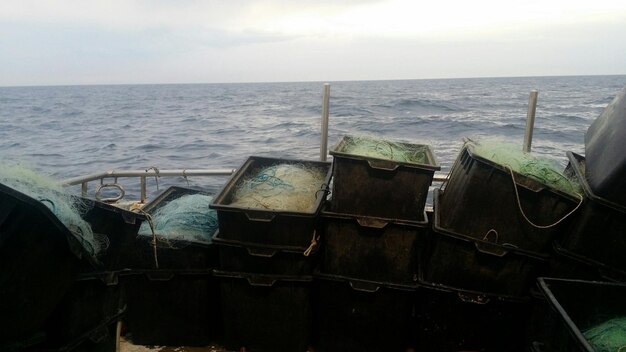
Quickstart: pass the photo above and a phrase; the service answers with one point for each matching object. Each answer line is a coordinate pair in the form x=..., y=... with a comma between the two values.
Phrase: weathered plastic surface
x=356, y=315
x=266, y=312
x=174, y=308
x=463, y=262
x=172, y=254
x=365, y=186
x=564, y=264
x=240, y=256
x=263, y=226
x=604, y=150
x=576, y=306
x=456, y=320
x=596, y=233
x=367, y=248
x=479, y=201
x=39, y=259
x=119, y=226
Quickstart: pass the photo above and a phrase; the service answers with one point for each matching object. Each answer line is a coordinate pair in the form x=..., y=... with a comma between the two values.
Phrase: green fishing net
x=50, y=192
x=185, y=218
x=292, y=187
x=540, y=168
x=609, y=336
x=385, y=149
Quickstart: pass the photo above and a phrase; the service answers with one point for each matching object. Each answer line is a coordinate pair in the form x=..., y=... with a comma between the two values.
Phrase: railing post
x=325, y=112
x=143, y=189
x=83, y=189
x=530, y=120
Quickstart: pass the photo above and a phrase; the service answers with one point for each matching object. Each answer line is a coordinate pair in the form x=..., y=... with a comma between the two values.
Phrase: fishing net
x=186, y=218
x=385, y=149
x=542, y=169
x=50, y=192
x=609, y=336
x=292, y=187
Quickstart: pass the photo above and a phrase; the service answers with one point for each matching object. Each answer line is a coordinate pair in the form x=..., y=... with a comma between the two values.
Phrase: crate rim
x=219, y=198
x=318, y=275
x=432, y=166
x=324, y=213
x=603, y=270
x=153, y=203
x=235, y=243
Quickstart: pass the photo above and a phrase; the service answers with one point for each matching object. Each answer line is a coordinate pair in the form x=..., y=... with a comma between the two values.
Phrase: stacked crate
x=172, y=297
x=373, y=232
x=484, y=247
x=266, y=259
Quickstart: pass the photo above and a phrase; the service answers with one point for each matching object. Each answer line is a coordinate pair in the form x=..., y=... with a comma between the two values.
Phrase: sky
x=65, y=42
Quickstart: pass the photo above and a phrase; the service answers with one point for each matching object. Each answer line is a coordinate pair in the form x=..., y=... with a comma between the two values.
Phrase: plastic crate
x=463, y=262
x=265, y=312
x=172, y=254
x=576, y=306
x=457, y=320
x=596, y=234
x=173, y=308
x=240, y=256
x=39, y=258
x=479, y=200
x=371, y=249
x=100, y=338
x=119, y=226
x=604, y=148
x=356, y=315
x=365, y=186
x=263, y=226
x=93, y=300
x=566, y=265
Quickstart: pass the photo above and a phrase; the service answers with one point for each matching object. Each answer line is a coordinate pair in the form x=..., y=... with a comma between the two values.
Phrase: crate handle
x=260, y=217
x=383, y=165
x=373, y=223
x=262, y=252
x=364, y=287
x=492, y=249
x=261, y=281
x=159, y=276
x=473, y=298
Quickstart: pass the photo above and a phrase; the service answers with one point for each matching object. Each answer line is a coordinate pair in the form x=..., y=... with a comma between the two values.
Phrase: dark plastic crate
x=262, y=226
x=356, y=315
x=596, y=233
x=173, y=308
x=604, y=148
x=93, y=300
x=240, y=256
x=120, y=228
x=365, y=186
x=371, y=249
x=265, y=312
x=479, y=200
x=463, y=262
x=576, y=306
x=566, y=265
x=39, y=259
x=457, y=320
x=172, y=254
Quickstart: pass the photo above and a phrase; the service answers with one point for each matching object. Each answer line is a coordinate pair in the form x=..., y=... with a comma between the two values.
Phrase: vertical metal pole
x=325, y=110
x=530, y=120
x=83, y=189
x=118, y=336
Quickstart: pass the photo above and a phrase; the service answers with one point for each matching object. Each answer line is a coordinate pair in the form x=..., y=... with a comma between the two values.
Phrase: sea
x=69, y=131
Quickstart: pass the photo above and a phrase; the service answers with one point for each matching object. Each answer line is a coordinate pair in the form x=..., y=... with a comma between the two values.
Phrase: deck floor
x=126, y=346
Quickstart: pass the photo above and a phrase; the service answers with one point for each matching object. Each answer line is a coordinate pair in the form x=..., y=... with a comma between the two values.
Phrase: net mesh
x=543, y=169
x=379, y=148
x=185, y=218
x=292, y=187
x=609, y=336
x=51, y=193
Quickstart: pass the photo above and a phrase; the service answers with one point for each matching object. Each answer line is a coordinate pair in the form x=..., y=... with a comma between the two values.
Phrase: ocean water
x=68, y=131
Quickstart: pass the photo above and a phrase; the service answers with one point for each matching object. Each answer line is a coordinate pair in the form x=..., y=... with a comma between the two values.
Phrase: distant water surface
x=74, y=130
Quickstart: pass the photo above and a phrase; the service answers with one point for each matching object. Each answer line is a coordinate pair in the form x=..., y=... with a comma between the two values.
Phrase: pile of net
x=609, y=336
x=185, y=218
x=540, y=168
x=384, y=149
x=50, y=192
x=292, y=187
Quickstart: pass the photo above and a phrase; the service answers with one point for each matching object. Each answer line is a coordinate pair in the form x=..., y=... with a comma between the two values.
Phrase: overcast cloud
x=118, y=41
